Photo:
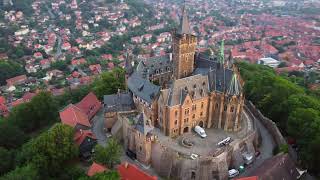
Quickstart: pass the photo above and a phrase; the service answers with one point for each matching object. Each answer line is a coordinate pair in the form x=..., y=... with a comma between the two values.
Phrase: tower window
x=193, y=116
x=176, y=113
x=176, y=122
x=232, y=109
x=201, y=114
x=202, y=105
x=193, y=175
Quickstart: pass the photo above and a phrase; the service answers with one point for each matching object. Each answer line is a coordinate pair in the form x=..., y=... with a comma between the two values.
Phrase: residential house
x=114, y=103
x=90, y=105
x=38, y=55
x=16, y=80
x=86, y=141
x=28, y=96
x=74, y=117
x=45, y=63
x=95, y=69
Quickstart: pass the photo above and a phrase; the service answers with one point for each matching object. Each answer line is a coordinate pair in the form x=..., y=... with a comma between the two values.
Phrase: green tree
x=39, y=112
x=109, y=82
x=50, y=150
x=109, y=155
x=6, y=160
x=28, y=172
x=9, y=69
x=11, y=136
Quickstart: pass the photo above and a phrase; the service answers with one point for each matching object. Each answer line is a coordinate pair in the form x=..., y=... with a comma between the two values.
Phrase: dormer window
x=203, y=83
x=194, y=86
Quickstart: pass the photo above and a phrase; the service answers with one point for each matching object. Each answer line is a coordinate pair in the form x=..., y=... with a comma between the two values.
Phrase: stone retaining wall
x=268, y=124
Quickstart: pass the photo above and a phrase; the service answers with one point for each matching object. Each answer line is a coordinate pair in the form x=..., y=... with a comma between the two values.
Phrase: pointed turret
x=235, y=86
x=184, y=22
x=128, y=65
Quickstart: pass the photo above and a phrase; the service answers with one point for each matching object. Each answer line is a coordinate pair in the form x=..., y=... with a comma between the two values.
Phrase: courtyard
x=204, y=146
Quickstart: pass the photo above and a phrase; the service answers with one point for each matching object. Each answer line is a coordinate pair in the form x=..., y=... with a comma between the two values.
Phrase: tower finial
x=184, y=21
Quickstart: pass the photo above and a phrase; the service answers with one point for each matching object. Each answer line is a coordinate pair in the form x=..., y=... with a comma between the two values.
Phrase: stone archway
x=201, y=124
x=186, y=129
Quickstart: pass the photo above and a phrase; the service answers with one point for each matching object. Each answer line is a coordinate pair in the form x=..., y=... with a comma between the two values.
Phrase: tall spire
x=184, y=21
x=221, y=58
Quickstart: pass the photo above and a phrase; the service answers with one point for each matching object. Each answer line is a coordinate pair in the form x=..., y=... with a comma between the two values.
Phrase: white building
x=269, y=62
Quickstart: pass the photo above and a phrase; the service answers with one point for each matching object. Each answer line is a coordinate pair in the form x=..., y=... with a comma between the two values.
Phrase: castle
x=174, y=93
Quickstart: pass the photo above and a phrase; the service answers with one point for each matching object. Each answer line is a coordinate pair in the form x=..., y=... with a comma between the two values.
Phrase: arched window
x=231, y=109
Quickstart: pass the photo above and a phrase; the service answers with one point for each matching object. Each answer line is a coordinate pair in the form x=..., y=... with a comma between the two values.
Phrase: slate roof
x=196, y=85
x=142, y=124
x=118, y=102
x=143, y=88
x=154, y=64
x=219, y=77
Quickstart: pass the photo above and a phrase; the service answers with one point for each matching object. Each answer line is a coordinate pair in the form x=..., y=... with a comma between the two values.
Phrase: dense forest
x=34, y=145
x=290, y=105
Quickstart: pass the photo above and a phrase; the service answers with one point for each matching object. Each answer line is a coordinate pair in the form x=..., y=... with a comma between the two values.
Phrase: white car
x=233, y=173
x=199, y=130
x=194, y=156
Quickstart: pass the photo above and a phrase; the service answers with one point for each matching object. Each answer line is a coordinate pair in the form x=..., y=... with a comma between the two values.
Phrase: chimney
x=126, y=164
x=170, y=56
x=81, y=131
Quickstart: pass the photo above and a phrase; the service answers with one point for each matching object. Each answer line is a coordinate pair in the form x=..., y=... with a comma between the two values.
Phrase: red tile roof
x=72, y=116
x=16, y=80
x=28, y=96
x=131, y=172
x=2, y=100
x=81, y=135
x=96, y=168
x=4, y=110
x=17, y=102
x=90, y=105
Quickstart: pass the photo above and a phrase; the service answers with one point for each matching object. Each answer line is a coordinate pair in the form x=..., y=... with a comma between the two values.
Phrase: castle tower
x=184, y=47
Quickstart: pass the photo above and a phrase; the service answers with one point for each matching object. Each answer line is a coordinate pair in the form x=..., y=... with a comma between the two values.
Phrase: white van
x=233, y=173
x=225, y=141
x=199, y=130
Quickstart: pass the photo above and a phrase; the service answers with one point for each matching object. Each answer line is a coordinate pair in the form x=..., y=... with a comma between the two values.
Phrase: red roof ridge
x=96, y=168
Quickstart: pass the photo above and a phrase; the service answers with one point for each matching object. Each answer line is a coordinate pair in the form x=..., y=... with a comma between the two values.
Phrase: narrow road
x=97, y=128
x=266, y=147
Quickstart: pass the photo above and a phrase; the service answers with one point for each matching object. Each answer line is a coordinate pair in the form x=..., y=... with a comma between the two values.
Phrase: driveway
x=266, y=147
x=98, y=127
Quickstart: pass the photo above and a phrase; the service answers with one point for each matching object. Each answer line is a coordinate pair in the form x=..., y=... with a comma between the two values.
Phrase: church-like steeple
x=184, y=22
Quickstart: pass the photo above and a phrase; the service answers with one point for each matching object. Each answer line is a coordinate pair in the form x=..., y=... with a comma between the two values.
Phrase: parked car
x=199, y=130
x=248, y=158
x=194, y=156
x=233, y=173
